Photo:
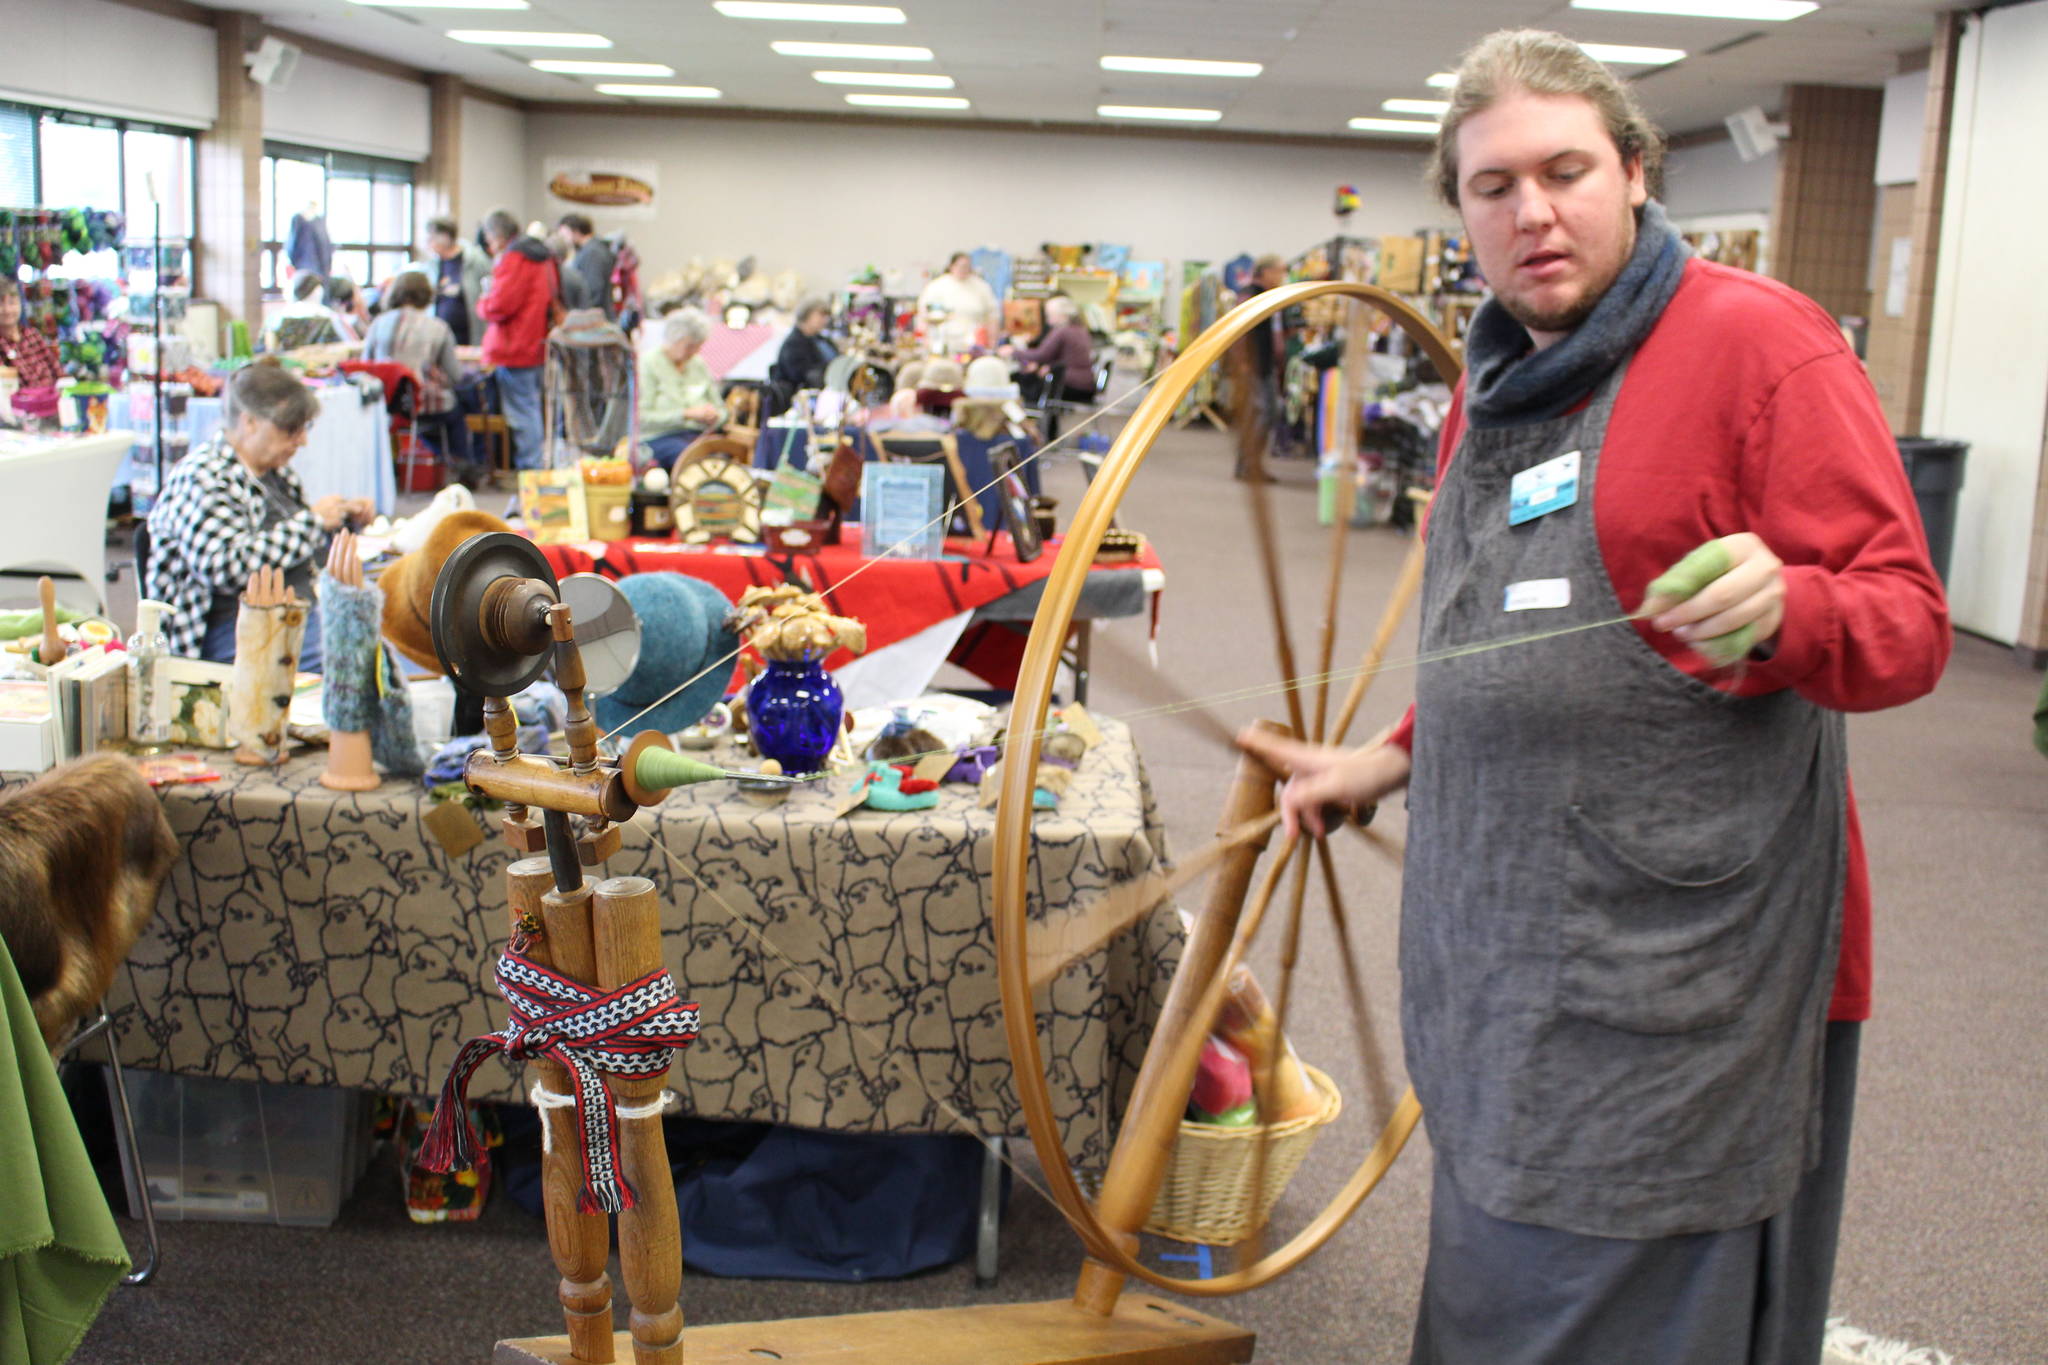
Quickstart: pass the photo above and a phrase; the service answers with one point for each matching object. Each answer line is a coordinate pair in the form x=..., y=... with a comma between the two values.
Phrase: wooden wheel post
x=627, y=920
x=1144, y=1145
x=580, y=1242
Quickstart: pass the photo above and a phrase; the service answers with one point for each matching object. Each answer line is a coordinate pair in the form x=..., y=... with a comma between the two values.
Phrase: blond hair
x=1543, y=63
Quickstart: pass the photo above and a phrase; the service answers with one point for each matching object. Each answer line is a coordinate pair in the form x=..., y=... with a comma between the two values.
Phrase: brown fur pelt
x=84, y=850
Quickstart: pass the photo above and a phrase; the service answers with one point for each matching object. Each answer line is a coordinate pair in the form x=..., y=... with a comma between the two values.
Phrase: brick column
x=1826, y=199
x=230, y=165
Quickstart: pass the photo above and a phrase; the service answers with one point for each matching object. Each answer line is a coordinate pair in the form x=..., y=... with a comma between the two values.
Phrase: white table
x=348, y=451
x=54, y=489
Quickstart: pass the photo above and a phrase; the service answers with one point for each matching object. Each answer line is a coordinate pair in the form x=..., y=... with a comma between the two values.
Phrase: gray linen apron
x=1623, y=889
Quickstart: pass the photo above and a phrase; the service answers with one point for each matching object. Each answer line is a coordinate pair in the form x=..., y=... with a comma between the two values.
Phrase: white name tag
x=1538, y=594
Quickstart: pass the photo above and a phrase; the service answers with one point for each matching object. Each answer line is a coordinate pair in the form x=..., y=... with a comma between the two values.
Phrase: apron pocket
x=1649, y=953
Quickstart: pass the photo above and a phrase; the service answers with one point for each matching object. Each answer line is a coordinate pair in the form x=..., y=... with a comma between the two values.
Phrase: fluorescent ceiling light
x=1149, y=111
x=903, y=80
x=512, y=37
x=1769, y=11
x=576, y=67
x=854, y=52
x=1434, y=108
x=1392, y=125
x=662, y=92
x=1181, y=66
x=443, y=4
x=815, y=14
x=909, y=101
x=1615, y=54
x=1443, y=80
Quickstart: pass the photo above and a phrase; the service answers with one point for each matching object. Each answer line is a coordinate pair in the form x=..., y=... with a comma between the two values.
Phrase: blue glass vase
x=795, y=709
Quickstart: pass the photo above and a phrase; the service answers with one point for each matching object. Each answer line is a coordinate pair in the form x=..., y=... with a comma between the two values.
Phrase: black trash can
x=1935, y=469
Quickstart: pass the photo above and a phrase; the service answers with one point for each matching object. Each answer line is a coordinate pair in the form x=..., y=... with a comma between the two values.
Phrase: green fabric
x=60, y=1253
x=1685, y=578
x=15, y=624
x=667, y=392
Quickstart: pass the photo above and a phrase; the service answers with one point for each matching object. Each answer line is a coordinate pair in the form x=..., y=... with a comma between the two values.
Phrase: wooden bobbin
x=627, y=921
x=580, y=1242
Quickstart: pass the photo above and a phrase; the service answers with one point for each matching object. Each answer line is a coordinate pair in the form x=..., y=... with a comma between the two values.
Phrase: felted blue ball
x=683, y=631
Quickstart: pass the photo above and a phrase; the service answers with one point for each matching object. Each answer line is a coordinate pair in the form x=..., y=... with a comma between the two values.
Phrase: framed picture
x=1016, y=499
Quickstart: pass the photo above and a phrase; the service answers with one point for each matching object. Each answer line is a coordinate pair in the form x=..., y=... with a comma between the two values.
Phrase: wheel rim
x=1013, y=842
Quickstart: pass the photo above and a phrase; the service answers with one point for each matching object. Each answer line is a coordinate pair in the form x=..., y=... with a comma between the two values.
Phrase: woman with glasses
x=231, y=507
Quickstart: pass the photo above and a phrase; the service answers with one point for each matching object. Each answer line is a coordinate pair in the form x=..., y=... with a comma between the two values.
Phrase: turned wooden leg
x=580, y=1242
x=627, y=920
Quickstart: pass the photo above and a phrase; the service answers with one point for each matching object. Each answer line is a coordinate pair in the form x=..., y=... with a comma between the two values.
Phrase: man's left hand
x=1749, y=592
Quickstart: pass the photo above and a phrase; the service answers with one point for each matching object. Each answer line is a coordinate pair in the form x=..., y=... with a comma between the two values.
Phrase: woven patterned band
x=630, y=1031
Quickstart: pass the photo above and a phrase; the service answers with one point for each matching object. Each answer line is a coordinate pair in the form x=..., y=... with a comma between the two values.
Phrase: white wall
x=1711, y=180
x=331, y=105
x=495, y=173
x=826, y=199
x=1987, y=373
x=104, y=58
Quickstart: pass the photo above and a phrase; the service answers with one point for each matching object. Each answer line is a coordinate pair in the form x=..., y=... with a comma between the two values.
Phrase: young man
x=1635, y=924
x=458, y=270
x=587, y=280
x=525, y=283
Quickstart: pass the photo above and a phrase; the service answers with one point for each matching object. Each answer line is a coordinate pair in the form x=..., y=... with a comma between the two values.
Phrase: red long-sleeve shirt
x=1744, y=410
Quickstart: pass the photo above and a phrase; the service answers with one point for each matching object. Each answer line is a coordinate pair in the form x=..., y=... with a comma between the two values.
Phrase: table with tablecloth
x=325, y=938
x=986, y=598
x=776, y=444
x=347, y=451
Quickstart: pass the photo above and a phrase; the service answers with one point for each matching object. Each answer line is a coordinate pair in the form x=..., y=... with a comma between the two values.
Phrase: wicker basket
x=1207, y=1195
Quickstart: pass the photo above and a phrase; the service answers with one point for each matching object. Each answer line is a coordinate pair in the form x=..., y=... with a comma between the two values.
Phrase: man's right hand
x=331, y=511
x=1321, y=777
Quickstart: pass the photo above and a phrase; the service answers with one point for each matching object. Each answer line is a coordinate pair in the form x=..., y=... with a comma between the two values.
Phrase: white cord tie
x=545, y=1099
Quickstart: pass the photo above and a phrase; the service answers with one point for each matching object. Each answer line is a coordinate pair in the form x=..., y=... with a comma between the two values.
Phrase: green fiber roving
x=1684, y=579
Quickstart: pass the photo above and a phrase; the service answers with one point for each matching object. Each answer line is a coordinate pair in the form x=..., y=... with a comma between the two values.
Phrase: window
x=59, y=159
x=366, y=202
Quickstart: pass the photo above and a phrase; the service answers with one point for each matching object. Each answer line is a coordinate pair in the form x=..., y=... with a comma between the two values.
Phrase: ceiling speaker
x=1754, y=133
x=272, y=63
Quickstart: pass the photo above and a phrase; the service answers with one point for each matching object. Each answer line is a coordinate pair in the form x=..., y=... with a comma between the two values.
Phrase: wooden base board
x=1144, y=1331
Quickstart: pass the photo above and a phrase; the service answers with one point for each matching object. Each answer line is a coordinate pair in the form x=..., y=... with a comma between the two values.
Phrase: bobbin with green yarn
x=1684, y=580
x=659, y=769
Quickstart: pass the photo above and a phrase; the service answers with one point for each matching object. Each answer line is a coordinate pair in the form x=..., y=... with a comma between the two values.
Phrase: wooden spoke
x=1141, y=681
x=1370, y=1054
x=1386, y=844
x=1398, y=602
x=1340, y=527
x=1276, y=593
x=1117, y=909
x=1276, y=1044
x=1240, y=892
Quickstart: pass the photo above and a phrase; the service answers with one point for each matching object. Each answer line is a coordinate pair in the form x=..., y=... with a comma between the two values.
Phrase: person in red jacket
x=1635, y=945
x=525, y=283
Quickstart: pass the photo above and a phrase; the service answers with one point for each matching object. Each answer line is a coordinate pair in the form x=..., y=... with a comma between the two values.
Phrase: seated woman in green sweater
x=678, y=397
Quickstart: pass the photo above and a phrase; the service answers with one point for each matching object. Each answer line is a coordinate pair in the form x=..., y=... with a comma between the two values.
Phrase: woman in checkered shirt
x=231, y=507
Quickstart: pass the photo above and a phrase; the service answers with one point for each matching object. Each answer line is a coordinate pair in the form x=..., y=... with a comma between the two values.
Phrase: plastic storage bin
x=243, y=1151
x=1935, y=469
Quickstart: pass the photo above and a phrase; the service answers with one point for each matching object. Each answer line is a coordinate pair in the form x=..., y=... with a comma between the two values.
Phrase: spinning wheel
x=1031, y=951
x=494, y=615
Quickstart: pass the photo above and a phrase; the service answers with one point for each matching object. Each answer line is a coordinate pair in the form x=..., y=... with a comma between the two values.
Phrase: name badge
x=1544, y=488
x=1538, y=594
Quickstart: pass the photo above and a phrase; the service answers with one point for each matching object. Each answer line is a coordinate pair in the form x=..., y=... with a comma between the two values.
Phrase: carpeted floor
x=1947, y=1225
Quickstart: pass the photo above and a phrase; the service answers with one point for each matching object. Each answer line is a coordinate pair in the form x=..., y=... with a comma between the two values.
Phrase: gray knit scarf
x=1508, y=383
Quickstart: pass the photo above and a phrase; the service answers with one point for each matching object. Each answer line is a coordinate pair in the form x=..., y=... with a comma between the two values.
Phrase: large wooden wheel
x=1109, y=1221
